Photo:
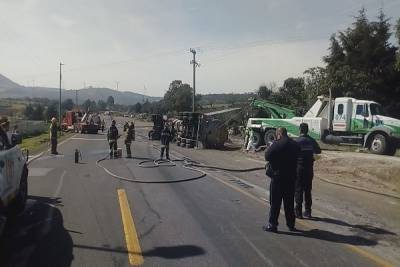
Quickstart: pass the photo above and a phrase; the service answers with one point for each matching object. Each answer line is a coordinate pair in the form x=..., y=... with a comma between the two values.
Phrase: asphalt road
x=77, y=215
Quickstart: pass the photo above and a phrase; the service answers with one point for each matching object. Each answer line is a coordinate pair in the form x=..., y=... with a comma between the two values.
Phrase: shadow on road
x=366, y=228
x=55, y=201
x=37, y=237
x=334, y=237
x=173, y=252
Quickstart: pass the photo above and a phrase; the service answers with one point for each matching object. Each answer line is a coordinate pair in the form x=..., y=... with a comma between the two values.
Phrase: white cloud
x=150, y=40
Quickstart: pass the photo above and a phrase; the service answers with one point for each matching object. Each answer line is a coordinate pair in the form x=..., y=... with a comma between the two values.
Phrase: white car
x=13, y=179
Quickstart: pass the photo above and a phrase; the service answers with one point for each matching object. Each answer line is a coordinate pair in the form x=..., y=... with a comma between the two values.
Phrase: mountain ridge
x=11, y=89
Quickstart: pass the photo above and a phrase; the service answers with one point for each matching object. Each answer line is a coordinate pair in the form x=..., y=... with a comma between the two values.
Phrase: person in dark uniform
x=53, y=136
x=305, y=171
x=112, y=137
x=4, y=127
x=282, y=157
x=173, y=134
x=130, y=136
x=165, y=139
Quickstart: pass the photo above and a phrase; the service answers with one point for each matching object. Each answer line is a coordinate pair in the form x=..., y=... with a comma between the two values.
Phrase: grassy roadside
x=40, y=142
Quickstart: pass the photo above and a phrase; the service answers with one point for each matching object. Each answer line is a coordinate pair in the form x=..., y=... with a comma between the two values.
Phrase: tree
x=89, y=105
x=51, y=111
x=38, y=112
x=397, y=33
x=137, y=108
x=315, y=83
x=178, y=97
x=362, y=62
x=110, y=101
x=29, y=111
x=101, y=105
x=67, y=104
x=264, y=92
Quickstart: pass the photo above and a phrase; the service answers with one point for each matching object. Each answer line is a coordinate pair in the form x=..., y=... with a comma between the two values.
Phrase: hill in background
x=10, y=89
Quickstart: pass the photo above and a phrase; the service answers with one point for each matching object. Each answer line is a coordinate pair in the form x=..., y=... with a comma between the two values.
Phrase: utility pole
x=76, y=98
x=59, y=104
x=195, y=64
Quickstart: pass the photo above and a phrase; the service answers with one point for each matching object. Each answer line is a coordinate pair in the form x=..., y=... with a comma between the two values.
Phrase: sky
x=143, y=45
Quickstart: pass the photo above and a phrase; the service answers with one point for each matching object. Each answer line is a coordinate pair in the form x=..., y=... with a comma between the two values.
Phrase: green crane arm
x=277, y=111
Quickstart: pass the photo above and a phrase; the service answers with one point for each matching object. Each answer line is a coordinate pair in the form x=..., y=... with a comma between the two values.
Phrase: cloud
x=242, y=43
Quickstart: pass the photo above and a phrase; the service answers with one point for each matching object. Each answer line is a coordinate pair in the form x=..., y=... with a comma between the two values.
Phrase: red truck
x=88, y=123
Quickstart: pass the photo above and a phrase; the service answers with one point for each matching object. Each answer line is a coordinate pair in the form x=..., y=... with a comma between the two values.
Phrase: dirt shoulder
x=345, y=166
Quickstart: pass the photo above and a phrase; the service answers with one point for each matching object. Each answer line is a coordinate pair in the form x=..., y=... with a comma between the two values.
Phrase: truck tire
x=379, y=144
x=269, y=136
x=18, y=206
x=257, y=140
x=391, y=149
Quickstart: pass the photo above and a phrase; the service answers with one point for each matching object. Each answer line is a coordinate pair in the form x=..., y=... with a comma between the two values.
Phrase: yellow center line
x=378, y=261
x=131, y=237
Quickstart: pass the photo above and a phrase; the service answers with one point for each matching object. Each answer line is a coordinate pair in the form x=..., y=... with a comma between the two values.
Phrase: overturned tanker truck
x=201, y=130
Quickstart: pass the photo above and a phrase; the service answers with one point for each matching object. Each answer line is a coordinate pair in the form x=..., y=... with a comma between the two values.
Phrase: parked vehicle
x=343, y=120
x=13, y=179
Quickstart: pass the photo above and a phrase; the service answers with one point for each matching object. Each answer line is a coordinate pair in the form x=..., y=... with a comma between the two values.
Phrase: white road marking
x=253, y=246
x=41, y=153
x=37, y=172
x=60, y=183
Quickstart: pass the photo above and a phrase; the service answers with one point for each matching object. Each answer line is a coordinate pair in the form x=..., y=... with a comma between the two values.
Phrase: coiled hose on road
x=187, y=163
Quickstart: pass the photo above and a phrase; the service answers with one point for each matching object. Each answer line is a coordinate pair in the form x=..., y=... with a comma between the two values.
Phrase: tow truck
x=13, y=179
x=340, y=121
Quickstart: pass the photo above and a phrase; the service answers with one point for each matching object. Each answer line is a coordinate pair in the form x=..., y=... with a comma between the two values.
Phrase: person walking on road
x=53, y=136
x=305, y=171
x=130, y=136
x=282, y=161
x=112, y=138
x=165, y=139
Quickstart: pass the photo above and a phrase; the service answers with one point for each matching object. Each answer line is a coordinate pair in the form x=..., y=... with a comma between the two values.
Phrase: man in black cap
x=305, y=171
x=282, y=157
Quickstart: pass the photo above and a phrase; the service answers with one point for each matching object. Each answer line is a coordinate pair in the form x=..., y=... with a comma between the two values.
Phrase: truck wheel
x=20, y=201
x=269, y=136
x=391, y=149
x=378, y=144
x=257, y=141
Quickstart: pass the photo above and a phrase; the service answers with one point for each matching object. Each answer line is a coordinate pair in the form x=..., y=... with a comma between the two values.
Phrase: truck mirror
x=16, y=139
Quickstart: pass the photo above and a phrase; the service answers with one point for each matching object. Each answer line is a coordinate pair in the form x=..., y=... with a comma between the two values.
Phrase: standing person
x=165, y=139
x=282, y=157
x=4, y=128
x=103, y=124
x=305, y=171
x=173, y=133
x=250, y=144
x=112, y=138
x=53, y=136
x=130, y=136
